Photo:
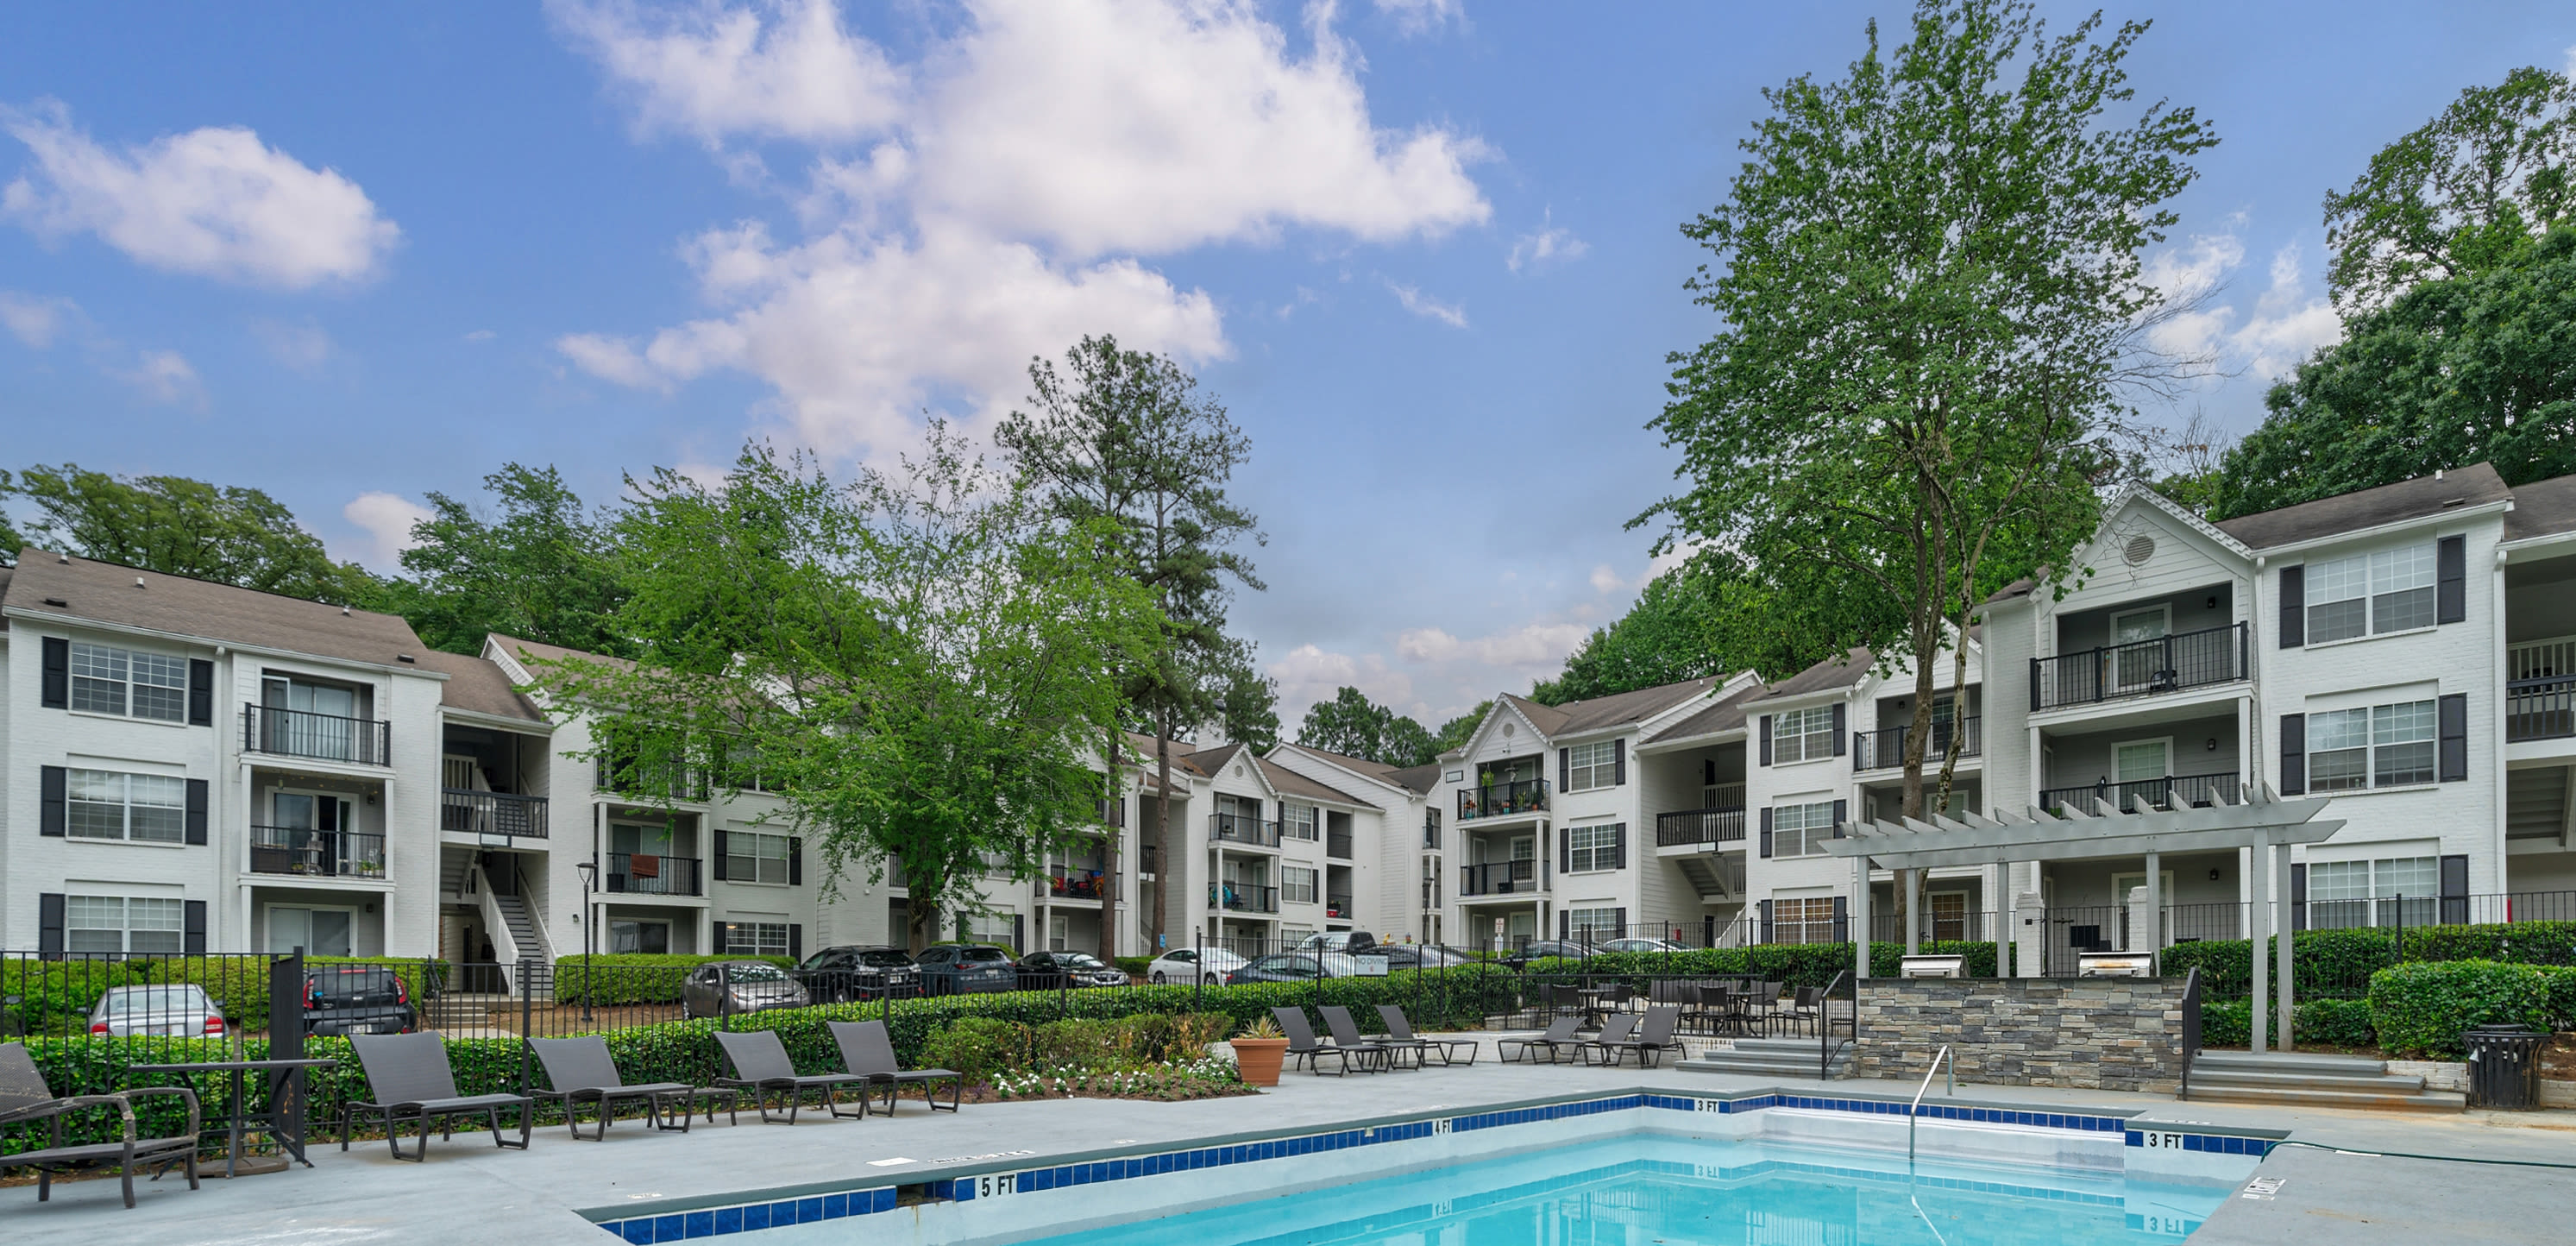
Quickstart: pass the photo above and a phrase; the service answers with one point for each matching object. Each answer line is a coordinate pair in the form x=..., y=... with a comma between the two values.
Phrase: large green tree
x=540, y=567
x=1712, y=617
x=1929, y=293
x=1355, y=726
x=231, y=534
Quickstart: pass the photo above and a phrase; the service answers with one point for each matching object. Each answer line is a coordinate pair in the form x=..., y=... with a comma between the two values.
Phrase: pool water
x=1656, y=1188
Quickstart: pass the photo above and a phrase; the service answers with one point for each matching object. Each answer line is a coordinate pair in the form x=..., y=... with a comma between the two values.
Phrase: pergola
x=2264, y=823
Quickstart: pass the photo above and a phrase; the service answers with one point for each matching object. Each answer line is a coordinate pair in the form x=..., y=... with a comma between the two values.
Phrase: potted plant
x=1258, y=1051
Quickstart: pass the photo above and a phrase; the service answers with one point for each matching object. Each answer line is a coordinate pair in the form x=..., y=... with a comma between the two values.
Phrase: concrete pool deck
x=473, y=1194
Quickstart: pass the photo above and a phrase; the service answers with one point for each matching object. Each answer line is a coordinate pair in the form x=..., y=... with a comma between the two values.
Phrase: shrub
x=633, y=978
x=1133, y=966
x=2423, y=1007
x=977, y=1047
x=2334, y=1022
x=55, y=996
x=2524, y=943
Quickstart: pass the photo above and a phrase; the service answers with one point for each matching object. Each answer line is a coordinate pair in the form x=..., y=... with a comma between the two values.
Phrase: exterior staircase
x=1717, y=879
x=1766, y=1057
x=523, y=937
x=2320, y=1081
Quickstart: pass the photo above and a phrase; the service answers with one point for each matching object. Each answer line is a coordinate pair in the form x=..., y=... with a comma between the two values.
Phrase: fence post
x=286, y=1039
x=527, y=1018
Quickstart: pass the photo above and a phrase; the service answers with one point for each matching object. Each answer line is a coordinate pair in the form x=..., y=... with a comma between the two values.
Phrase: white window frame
x=1299, y=884
x=2374, y=902
x=1815, y=824
x=91, y=923
x=1300, y=821
x=759, y=859
x=1590, y=766
x=2378, y=724
x=2397, y=589
x=1802, y=919
x=2164, y=742
x=1812, y=742
x=2133, y=669
x=637, y=924
x=751, y=938
x=1591, y=847
x=79, y=792
x=97, y=668
x=269, y=914
x=1593, y=923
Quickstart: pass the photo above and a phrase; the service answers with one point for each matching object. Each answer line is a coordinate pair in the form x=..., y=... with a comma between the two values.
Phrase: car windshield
x=1079, y=960
x=885, y=958
x=356, y=978
x=148, y=999
x=754, y=971
x=983, y=955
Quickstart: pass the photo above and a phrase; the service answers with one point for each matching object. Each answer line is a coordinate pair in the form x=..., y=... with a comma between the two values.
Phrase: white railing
x=2541, y=659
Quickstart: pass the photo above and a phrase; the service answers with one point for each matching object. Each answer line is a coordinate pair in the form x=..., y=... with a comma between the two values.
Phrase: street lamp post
x=589, y=871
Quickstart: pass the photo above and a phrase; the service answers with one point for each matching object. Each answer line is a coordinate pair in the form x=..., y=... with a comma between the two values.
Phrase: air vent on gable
x=2139, y=550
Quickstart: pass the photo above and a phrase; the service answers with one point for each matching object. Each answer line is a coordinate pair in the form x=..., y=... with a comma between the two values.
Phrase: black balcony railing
x=1499, y=799
x=1431, y=829
x=1708, y=827
x=2540, y=709
x=1337, y=845
x=1337, y=906
x=2142, y=668
x=630, y=778
x=1244, y=897
x=2169, y=792
x=323, y=737
x=1145, y=856
x=327, y=854
x=491, y=813
x=1072, y=884
x=646, y=874
x=1496, y=878
x=1885, y=748
x=1238, y=828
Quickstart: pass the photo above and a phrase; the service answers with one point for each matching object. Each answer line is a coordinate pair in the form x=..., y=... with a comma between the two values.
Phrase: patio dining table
x=282, y=1117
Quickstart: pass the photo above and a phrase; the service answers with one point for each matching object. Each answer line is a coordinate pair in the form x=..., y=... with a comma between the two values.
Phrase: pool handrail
x=1916, y=1108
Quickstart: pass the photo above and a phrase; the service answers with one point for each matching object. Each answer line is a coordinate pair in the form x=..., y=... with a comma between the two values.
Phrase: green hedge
x=2339, y=963
x=55, y=997
x=1792, y=964
x=633, y=977
x=2422, y=1008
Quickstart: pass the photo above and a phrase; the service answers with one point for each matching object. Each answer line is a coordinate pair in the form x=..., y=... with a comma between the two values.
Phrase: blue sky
x=1426, y=251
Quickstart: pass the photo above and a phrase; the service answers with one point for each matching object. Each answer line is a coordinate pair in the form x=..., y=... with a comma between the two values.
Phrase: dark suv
x=357, y=999
x=837, y=975
x=967, y=969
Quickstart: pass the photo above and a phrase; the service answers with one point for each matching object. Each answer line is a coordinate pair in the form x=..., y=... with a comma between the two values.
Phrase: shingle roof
x=1373, y=769
x=1831, y=673
x=2542, y=508
x=544, y=652
x=105, y=592
x=478, y=686
x=1724, y=714
x=1288, y=782
x=1417, y=779
x=2424, y=496
x=1577, y=717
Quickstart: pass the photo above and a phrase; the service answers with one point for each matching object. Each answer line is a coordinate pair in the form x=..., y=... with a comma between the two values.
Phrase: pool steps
x=2320, y=1081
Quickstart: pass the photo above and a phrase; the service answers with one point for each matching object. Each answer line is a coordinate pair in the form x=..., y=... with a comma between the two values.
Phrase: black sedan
x=1047, y=971
x=1548, y=948
x=967, y=969
x=1278, y=967
x=838, y=975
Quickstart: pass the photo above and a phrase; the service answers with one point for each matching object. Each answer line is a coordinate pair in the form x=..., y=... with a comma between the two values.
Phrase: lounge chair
x=867, y=1051
x=760, y=1065
x=580, y=1070
x=24, y=1098
x=409, y=1080
x=1303, y=1045
x=1652, y=1041
x=1399, y=1033
x=1614, y=1031
x=1558, y=1038
x=1378, y=1057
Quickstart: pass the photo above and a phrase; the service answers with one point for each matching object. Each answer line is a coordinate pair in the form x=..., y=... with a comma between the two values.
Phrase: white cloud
x=1308, y=674
x=303, y=347
x=782, y=69
x=1420, y=304
x=1605, y=580
x=1414, y=17
x=214, y=202
x=2571, y=60
x=33, y=320
x=387, y=519
x=479, y=335
x=165, y=376
x=1548, y=242
x=2289, y=320
x=1537, y=645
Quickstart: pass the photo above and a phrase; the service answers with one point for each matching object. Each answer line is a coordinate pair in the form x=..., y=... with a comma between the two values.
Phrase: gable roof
x=2420, y=498
x=479, y=686
x=1832, y=673
x=105, y=592
x=1616, y=710
x=1418, y=780
x=2542, y=508
x=1724, y=714
x=1288, y=782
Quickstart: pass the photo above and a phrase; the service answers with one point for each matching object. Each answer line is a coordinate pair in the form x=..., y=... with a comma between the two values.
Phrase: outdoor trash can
x=2504, y=1066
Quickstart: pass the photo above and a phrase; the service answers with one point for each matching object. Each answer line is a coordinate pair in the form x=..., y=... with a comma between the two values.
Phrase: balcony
x=1337, y=907
x=1236, y=828
x=316, y=854
x=2540, y=709
x=1337, y=845
x=2144, y=668
x=322, y=737
x=1064, y=884
x=1498, y=878
x=1700, y=828
x=1884, y=749
x=2166, y=793
x=645, y=874
x=1502, y=799
x=475, y=812
x=1431, y=829
x=1244, y=898
x=1145, y=859
x=626, y=778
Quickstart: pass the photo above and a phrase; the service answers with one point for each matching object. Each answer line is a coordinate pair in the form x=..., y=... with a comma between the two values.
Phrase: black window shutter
x=2294, y=754
x=1619, y=923
x=58, y=673
x=49, y=925
x=2451, y=579
x=1564, y=769
x=1766, y=739
x=201, y=693
x=1619, y=846
x=1765, y=907
x=197, y=789
x=51, y=793
x=1619, y=761
x=796, y=860
x=2453, y=721
x=1766, y=830
x=1564, y=853
x=2298, y=897
x=795, y=940
x=2294, y=607
x=2455, y=890
x=1842, y=810
x=1842, y=919
x=720, y=856
x=1019, y=931
x=192, y=939
x=1564, y=925
x=1842, y=729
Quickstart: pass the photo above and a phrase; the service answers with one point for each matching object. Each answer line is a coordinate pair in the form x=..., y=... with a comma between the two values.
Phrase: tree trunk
x=1109, y=875
x=1167, y=860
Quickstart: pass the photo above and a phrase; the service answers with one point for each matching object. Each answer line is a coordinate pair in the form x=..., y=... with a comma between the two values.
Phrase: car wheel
x=1158, y=978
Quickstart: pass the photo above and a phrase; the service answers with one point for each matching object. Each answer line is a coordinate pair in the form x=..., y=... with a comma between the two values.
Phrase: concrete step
x=2288, y=1062
x=2420, y=1101
x=2370, y=1083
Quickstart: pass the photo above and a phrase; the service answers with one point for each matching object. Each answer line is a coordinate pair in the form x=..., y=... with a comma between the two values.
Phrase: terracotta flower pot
x=1259, y=1059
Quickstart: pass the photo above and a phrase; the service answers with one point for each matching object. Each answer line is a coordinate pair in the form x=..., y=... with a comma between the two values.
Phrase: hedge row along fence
x=622, y=978
x=2339, y=964
x=1790, y=964
x=55, y=996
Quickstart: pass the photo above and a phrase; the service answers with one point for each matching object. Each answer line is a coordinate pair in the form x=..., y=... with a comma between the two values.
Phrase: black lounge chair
x=1650, y=1044
x=868, y=1051
x=1303, y=1045
x=1375, y=1057
x=760, y=1065
x=1399, y=1033
x=409, y=1080
x=24, y=1099
x=1615, y=1029
x=580, y=1070
x=1558, y=1038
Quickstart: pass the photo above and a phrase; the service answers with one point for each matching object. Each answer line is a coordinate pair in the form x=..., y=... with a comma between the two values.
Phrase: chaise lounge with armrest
x=1559, y=1037
x=868, y=1051
x=1303, y=1045
x=1379, y=1057
x=408, y=1079
x=580, y=1070
x=1399, y=1031
x=1652, y=1041
x=1615, y=1030
x=760, y=1065
x=25, y=1099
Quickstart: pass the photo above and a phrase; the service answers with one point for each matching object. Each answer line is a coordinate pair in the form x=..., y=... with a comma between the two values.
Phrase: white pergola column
x=2155, y=904
x=2259, y=915
x=1860, y=916
x=2289, y=918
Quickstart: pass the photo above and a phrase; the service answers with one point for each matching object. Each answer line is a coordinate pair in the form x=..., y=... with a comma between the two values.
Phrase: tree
x=542, y=569
x=1355, y=726
x=1930, y=302
x=1247, y=700
x=178, y=526
x=1711, y=617
x=2470, y=369
x=2458, y=196
x=1124, y=437
x=920, y=665
x=1454, y=732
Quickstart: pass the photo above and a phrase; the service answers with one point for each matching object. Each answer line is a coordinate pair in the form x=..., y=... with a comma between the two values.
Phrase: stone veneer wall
x=2092, y=1033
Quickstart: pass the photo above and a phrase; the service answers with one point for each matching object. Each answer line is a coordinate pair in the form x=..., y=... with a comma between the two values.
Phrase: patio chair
x=1399, y=1032
x=1379, y=1057
x=1652, y=1041
x=760, y=1065
x=1807, y=1007
x=24, y=1099
x=1614, y=1031
x=868, y=1051
x=580, y=1070
x=1559, y=1037
x=1303, y=1045
x=409, y=1080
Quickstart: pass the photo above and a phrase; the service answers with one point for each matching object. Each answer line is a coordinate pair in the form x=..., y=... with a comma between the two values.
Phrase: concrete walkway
x=472, y=1194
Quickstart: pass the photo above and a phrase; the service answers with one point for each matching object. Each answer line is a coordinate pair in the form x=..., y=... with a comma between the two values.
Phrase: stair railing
x=1826, y=1047
x=1939, y=1059
x=2190, y=1030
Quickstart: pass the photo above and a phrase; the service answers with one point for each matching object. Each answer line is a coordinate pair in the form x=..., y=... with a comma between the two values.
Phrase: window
x=1801, y=830
x=107, y=805
x=984, y=927
x=1297, y=821
x=130, y=683
x=1809, y=920
x=651, y=938
x=1591, y=765
x=755, y=938
x=1593, y=925
x=1297, y=884
x=755, y=858
x=320, y=932
x=1059, y=933
x=2387, y=591
x=2388, y=892
x=1291, y=936
x=2141, y=760
x=118, y=924
x=2381, y=746
x=1803, y=735
x=1594, y=846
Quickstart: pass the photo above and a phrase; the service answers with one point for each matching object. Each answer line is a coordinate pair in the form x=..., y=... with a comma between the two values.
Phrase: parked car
x=967, y=969
x=838, y=975
x=160, y=1011
x=1278, y=967
x=1643, y=945
x=1546, y=948
x=1046, y=971
x=1420, y=956
x=357, y=999
x=739, y=986
x=1209, y=965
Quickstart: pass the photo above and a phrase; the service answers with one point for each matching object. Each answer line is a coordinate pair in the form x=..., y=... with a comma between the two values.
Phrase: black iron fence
x=322, y=737
x=653, y=874
x=475, y=812
x=303, y=850
x=1236, y=828
x=2540, y=709
x=1494, y=800
x=2140, y=668
x=2166, y=792
x=1244, y=897
x=1695, y=827
x=1877, y=750
x=1501, y=877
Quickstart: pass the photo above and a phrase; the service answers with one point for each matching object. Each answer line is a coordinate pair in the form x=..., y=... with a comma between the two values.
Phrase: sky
x=1426, y=252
